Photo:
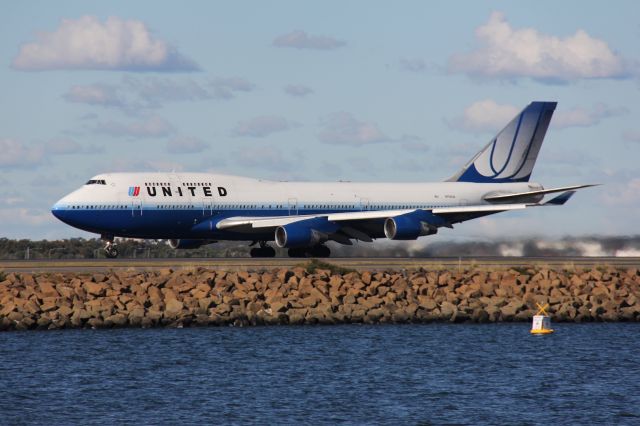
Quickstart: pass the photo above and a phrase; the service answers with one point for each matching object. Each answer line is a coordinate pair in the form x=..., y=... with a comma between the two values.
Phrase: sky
x=332, y=90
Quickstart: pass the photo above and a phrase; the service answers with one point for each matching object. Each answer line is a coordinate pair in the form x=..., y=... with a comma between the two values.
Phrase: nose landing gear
x=110, y=248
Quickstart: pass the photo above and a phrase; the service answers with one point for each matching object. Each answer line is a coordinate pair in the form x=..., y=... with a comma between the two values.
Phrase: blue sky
x=367, y=91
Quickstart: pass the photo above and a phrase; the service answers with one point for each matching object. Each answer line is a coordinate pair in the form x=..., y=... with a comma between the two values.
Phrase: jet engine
x=296, y=235
x=407, y=227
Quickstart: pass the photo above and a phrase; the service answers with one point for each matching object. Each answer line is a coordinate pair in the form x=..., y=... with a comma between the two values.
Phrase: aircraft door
x=136, y=208
x=364, y=204
x=293, y=206
x=207, y=208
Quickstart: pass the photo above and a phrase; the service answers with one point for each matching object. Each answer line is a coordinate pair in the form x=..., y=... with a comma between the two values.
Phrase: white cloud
x=87, y=43
x=489, y=116
x=24, y=216
x=134, y=93
x=62, y=146
x=186, y=145
x=151, y=92
x=48, y=181
x=262, y=157
x=585, y=117
x=413, y=64
x=631, y=136
x=227, y=87
x=416, y=146
x=623, y=194
x=341, y=128
x=297, y=90
x=16, y=154
x=152, y=127
x=301, y=40
x=123, y=164
x=259, y=127
x=485, y=116
x=363, y=165
x=95, y=94
x=505, y=52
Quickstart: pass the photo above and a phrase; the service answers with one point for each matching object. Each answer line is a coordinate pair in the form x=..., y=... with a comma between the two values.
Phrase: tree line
x=81, y=248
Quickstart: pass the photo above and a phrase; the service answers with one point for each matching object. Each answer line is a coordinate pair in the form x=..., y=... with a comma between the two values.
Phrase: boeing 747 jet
x=194, y=209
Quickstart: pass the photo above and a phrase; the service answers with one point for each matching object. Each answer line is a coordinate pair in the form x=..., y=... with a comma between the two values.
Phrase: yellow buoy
x=541, y=321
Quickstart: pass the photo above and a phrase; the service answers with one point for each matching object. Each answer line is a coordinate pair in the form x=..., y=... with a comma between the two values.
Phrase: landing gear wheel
x=263, y=252
x=111, y=251
x=319, y=251
x=297, y=252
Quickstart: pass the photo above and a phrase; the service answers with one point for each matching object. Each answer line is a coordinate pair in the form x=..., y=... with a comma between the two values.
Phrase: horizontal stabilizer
x=560, y=199
x=521, y=196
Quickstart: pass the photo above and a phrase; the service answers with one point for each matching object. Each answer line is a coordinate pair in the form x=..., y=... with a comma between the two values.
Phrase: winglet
x=560, y=199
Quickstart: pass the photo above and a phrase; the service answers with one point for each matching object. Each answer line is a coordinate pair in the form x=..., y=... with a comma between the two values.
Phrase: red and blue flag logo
x=134, y=191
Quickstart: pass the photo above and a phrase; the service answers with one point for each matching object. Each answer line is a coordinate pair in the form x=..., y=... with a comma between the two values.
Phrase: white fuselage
x=168, y=205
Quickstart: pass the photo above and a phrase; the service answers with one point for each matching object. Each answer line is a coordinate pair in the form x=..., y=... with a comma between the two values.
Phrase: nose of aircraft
x=58, y=211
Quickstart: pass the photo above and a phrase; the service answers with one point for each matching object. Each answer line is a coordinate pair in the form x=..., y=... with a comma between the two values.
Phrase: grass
x=314, y=264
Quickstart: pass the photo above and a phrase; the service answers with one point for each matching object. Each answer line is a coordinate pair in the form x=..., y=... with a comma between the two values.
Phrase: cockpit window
x=96, y=182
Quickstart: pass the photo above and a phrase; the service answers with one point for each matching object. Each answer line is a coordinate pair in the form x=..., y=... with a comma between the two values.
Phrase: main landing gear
x=263, y=251
x=110, y=248
x=316, y=251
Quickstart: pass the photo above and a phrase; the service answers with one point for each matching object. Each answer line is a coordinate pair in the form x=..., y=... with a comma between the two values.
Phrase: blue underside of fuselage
x=169, y=224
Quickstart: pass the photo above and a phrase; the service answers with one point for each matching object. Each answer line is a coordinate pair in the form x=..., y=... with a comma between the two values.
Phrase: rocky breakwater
x=297, y=296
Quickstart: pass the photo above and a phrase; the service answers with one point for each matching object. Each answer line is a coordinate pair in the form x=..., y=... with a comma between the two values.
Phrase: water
x=404, y=374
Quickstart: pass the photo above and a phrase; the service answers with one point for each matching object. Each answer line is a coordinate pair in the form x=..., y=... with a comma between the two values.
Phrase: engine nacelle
x=188, y=244
x=296, y=235
x=407, y=227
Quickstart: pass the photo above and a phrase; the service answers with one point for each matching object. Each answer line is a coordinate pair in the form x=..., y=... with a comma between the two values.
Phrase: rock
x=283, y=275
x=95, y=323
x=65, y=311
x=15, y=317
x=370, y=302
x=136, y=316
x=7, y=309
x=47, y=289
x=630, y=313
x=95, y=289
x=487, y=289
x=116, y=320
x=65, y=291
x=510, y=310
x=447, y=309
x=43, y=322
x=427, y=303
x=479, y=315
x=297, y=316
x=173, y=308
x=374, y=315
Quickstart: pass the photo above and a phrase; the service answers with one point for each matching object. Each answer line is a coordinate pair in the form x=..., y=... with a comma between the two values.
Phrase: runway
x=359, y=264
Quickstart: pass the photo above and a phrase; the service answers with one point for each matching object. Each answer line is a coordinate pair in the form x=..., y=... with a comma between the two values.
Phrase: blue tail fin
x=511, y=155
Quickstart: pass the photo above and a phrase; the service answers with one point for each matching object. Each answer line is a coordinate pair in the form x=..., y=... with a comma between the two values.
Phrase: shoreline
x=209, y=297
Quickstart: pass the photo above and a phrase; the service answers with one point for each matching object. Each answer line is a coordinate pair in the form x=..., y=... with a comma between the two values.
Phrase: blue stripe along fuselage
x=196, y=223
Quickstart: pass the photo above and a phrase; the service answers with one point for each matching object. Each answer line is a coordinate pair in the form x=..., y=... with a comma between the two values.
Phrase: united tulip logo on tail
x=134, y=191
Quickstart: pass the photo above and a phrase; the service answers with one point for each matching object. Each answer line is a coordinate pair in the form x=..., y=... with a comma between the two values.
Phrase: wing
x=367, y=225
x=526, y=196
x=364, y=225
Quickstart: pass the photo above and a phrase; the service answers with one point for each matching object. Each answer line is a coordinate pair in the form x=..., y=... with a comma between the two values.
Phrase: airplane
x=195, y=209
